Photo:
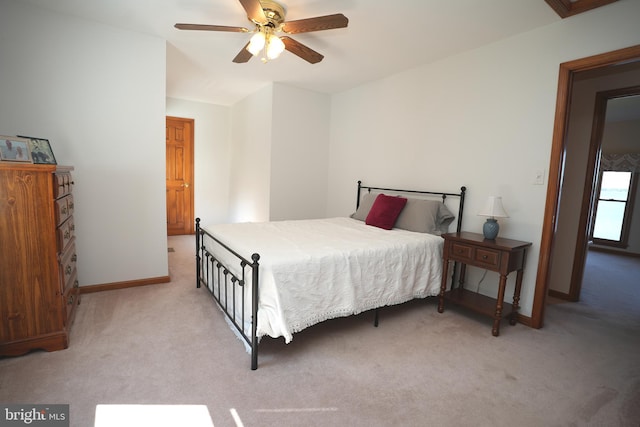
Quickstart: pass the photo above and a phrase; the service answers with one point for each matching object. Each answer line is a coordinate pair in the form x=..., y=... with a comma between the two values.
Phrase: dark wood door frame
x=558, y=151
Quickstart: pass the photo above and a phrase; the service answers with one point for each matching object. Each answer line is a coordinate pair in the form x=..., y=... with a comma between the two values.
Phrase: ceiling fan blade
x=243, y=56
x=319, y=23
x=301, y=50
x=211, y=28
x=254, y=11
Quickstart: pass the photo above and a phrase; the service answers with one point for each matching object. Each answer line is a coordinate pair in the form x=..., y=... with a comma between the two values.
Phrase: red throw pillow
x=385, y=211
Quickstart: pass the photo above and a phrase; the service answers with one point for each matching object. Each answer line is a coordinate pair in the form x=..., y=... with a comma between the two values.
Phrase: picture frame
x=41, y=152
x=15, y=149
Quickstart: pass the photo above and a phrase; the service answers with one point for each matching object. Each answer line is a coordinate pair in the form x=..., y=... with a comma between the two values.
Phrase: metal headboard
x=441, y=194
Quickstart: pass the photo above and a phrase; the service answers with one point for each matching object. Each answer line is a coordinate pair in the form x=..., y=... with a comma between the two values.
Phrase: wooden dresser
x=38, y=280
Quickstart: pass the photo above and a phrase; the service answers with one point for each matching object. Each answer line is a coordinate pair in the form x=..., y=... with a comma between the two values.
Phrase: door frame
x=556, y=169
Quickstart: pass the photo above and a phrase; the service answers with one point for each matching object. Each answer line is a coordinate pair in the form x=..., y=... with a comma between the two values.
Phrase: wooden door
x=179, y=176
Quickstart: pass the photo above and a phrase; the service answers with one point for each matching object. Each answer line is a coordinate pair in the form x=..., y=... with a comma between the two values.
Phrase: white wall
x=250, y=179
x=483, y=119
x=299, y=153
x=279, y=145
x=212, y=141
x=87, y=88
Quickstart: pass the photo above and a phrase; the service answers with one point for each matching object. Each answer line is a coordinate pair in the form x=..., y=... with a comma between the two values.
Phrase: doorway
x=567, y=75
x=179, y=176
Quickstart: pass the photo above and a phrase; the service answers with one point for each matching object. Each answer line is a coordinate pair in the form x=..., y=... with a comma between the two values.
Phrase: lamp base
x=490, y=229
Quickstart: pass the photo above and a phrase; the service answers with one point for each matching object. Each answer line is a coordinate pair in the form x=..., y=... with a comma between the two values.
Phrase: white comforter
x=314, y=270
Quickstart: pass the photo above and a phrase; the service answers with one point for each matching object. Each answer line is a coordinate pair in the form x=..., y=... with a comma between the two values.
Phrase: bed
x=277, y=278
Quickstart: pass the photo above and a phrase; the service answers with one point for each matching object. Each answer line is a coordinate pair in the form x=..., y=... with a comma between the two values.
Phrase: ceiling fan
x=269, y=19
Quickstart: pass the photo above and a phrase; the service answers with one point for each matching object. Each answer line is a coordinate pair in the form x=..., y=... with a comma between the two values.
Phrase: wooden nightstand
x=500, y=255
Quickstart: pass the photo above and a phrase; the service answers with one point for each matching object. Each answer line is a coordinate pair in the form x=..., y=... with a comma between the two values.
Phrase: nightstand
x=499, y=255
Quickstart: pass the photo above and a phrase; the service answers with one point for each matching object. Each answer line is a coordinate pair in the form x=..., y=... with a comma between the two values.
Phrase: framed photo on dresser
x=14, y=149
x=41, y=151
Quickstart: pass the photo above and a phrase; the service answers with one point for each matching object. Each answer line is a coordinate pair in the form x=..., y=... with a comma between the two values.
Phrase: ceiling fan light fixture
x=275, y=47
x=257, y=42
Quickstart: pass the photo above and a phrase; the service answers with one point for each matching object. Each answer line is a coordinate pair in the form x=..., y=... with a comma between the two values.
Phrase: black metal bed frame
x=225, y=286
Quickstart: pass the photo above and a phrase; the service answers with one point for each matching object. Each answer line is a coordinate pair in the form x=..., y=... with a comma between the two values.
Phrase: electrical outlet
x=538, y=177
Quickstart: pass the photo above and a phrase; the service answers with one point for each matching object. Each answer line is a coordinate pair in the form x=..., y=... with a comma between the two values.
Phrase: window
x=613, y=208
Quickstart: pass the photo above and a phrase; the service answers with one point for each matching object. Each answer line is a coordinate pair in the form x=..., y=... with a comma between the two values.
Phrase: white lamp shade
x=493, y=208
x=256, y=43
x=275, y=47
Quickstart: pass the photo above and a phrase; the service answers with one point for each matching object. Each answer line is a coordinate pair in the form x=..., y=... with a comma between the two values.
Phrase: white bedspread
x=314, y=270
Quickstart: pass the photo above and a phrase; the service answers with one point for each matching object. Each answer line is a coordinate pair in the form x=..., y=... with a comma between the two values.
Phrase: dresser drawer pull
x=74, y=258
x=76, y=284
x=64, y=210
x=70, y=300
x=68, y=270
x=67, y=234
x=484, y=257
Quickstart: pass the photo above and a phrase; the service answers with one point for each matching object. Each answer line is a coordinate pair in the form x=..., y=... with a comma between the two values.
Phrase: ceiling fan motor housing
x=274, y=12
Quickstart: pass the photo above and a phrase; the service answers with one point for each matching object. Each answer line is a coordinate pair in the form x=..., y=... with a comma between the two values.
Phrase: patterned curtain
x=629, y=162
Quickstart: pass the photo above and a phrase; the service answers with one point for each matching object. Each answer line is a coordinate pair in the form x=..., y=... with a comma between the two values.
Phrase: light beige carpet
x=168, y=344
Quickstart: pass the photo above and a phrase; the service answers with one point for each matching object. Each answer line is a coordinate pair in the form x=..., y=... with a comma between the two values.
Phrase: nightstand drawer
x=461, y=252
x=487, y=257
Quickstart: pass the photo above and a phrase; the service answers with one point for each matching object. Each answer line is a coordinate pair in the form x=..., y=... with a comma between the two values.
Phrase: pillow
x=385, y=211
x=425, y=216
x=366, y=202
x=420, y=216
x=445, y=217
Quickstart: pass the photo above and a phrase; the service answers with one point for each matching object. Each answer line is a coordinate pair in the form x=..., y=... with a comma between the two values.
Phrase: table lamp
x=492, y=209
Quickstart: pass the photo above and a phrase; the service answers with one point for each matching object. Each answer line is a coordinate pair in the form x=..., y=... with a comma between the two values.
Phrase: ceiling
x=383, y=37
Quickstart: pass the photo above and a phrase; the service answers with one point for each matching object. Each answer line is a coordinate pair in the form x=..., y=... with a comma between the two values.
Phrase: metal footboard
x=227, y=275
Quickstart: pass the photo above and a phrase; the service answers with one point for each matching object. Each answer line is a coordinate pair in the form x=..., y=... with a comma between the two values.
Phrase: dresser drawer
x=68, y=266
x=62, y=184
x=64, y=208
x=71, y=300
x=65, y=232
